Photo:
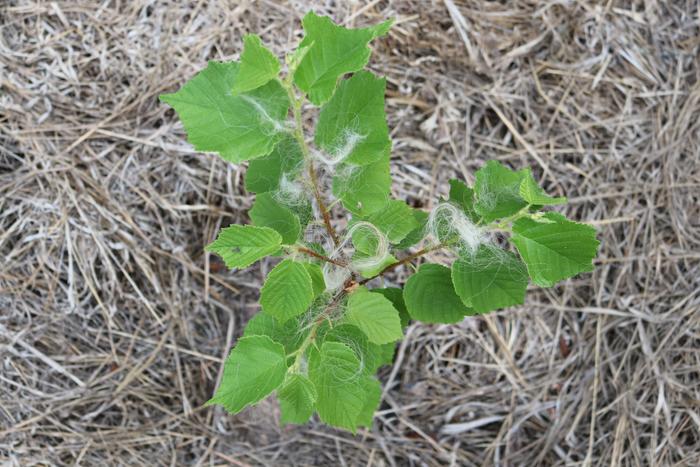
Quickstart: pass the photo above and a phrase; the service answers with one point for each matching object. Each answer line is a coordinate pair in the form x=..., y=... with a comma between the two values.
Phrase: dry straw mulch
x=113, y=323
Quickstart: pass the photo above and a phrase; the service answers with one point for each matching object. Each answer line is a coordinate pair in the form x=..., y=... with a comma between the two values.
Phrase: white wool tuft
x=350, y=140
x=290, y=192
x=380, y=253
x=450, y=219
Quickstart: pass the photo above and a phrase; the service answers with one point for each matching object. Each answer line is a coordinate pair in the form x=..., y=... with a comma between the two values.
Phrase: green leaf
x=554, y=248
x=287, y=292
x=237, y=127
x=258, y=66
x=463, y=196
x=431, y=298
x=417, y=234
x=352, y=126
x=363, y=190
x=375, y=316
x=395, y=220
x=370, y=269
x=267, y=173
x=497, y=190
x=294, y=58
x=255, y=368
x=318, y=283
x=493, y=278
x=336, y=374
x=267, y=212
x=373, y=396
x=531, y=192
x=333, y=51
x=241, y=245
x=395, y=296
x=290, y=334
x=367, y=352
x=387, y=354
x=297, y=399
x=365, y=238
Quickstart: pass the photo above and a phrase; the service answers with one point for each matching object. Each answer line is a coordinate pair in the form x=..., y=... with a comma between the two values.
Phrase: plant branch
x=310, y=252
x=299, y=136
x=405, y=260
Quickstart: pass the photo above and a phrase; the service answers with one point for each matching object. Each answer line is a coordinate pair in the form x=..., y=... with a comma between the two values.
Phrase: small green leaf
x=267, y=212
x=287, y=292
x=531, y=192
x=290, y=334
x=318, y=283
x=352, y=126
x=365, y=238
x=237, y=127
x=368, y=353
x=258, y=65
x=283, y=163
x=333, y=51
x=255, y=368
x=241, y=245
x=336, y=374
x=363, y=190
x=369, y=269
x=417, y=234
x=373, y=396
x=554, y=248
x=297, y=398
x=463, y=196
x=497, y=191
x=375, y=315
x=294, y=59
x=431, y=298
x=395, y=220
x=491, y=279
x=395, y=296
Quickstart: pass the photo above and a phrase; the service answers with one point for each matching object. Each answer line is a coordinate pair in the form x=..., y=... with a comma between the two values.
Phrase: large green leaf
x=318, y=283
x=373, y=395
x=463, y=196
x=417, y=234
x=255, y=368
x=267, y=212
x=554, y=248
x=533, y=194
x=395, y=220
x=287, y=292
x=363, y=190
x=375, y=315
x=352, y=125
x=297, y=398
x=492, y=278
x=395, y=296
x=241, y=245
x=258, y=65
x=239, y=127
x=281, y=166
x=497, y=190
x=337, y=376
x=431, y=298
x=333, y=51
x=290, y=334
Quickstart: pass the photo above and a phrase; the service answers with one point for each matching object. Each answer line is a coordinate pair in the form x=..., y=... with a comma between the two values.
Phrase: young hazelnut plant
x=323, y=207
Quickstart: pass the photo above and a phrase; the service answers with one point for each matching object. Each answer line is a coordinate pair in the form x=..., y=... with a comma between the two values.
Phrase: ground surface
x=113, y=323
